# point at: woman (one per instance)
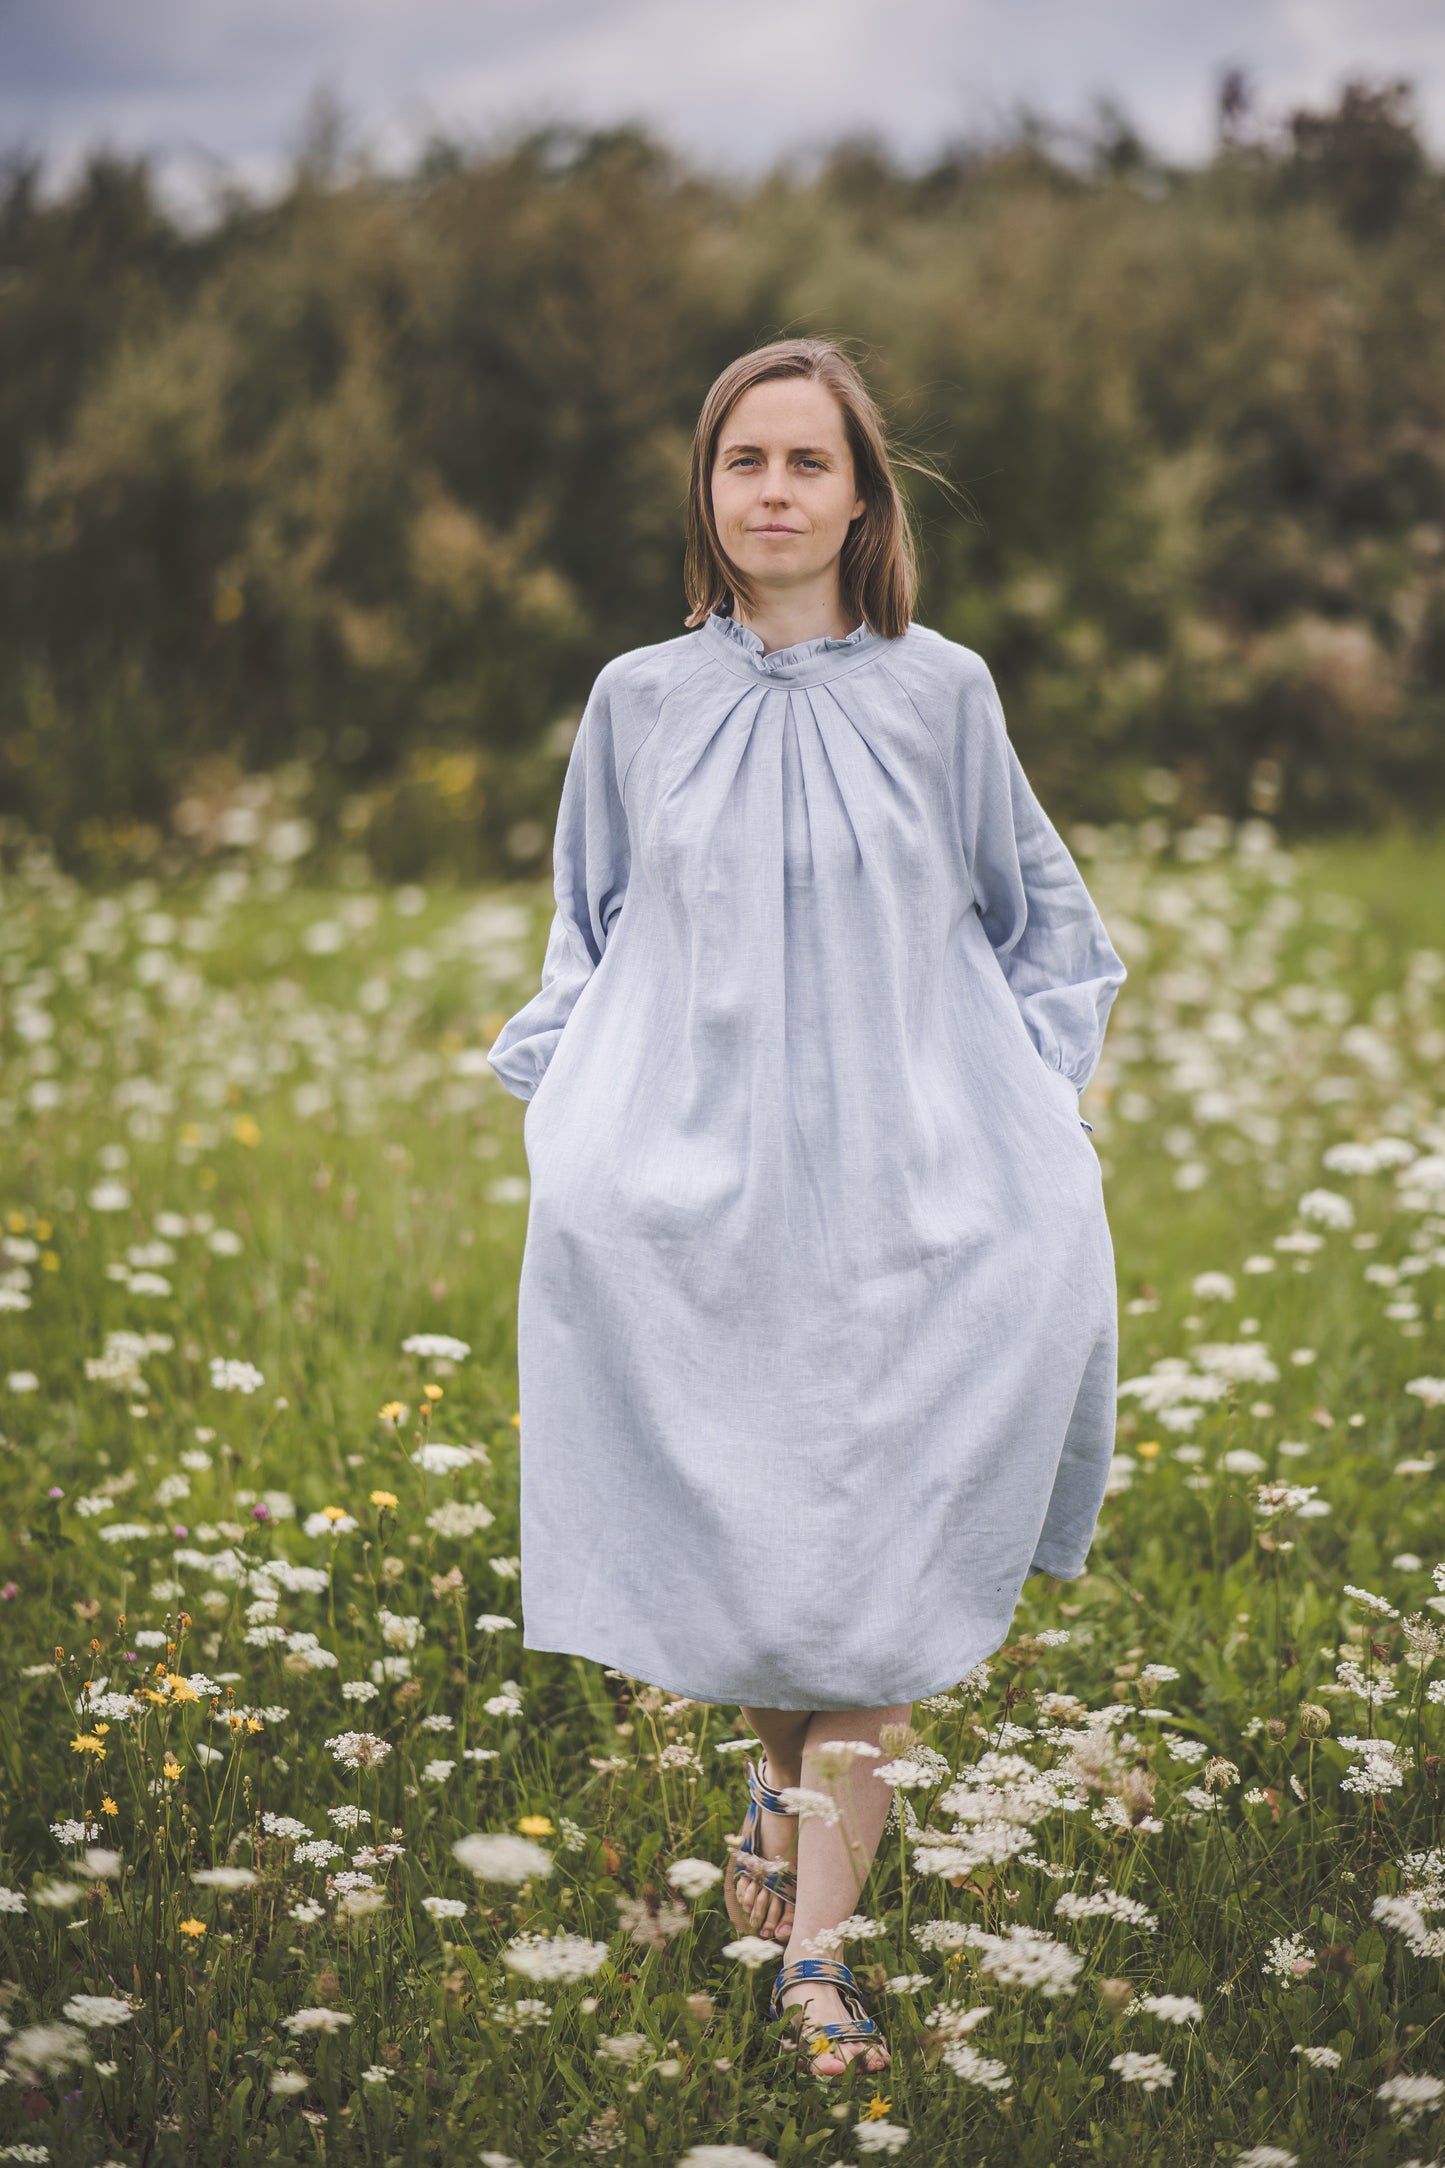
(817, 1326)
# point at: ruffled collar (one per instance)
(806, 659)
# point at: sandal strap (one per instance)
(864, 2029)
(825, 1970)
(830, 1969)
(765, 1795)
(782, 1881)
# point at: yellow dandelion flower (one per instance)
(234, 1721)
(394, 1412)
(43, 1230)
(384, 1499)
(253, 1723)
(1148, 1449)
(876, 2109)
(101, 1730)
(171, 1769)
(516, 1420)
(194, 1928)
(181, 1689)
(87, 1743)
(49, 1261)
(108, 1805)
(535, 1825)
(434, 1392)
(245, 1130)
(333, 1513)
(15, 1223)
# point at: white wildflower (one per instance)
(1407, 2098)
(753, 1950)
(459, 1519)
(498, 1856)
(97, 2010)
(693, 1877)
(1174, 2009)
(558, 1956)
(880, 2136)
(358, 1749)
(1150, 2071)
(1328, 1207)
(235, 1377)
(438, 1458)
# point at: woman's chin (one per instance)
(776, 569)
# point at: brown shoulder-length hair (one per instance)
(878, 570)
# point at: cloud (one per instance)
(230, 81)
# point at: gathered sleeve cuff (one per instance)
(1061, 967)
(590, 863)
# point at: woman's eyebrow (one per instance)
(799, 451)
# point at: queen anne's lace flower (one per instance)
(358, 1749)
(1150, 2071)
(559, 1956)
(498, 1856)
(98, 2010)
(693, 1877)
(235, 1377)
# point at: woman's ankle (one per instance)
(778, 1777)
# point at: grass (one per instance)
(251, 1149)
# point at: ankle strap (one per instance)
(766, 1797)
(816, 1968)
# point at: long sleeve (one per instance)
(591, 859)
(1061, 967)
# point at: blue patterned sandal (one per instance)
(782, 1881)
(826, 2039)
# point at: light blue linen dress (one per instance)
(817, 1320)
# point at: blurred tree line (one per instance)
(367, 482)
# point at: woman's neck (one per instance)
(788, 620)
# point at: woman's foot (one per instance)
(766, 1912)
(826, 2007)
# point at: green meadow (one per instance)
(304, 1858)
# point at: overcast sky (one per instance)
(223, 84)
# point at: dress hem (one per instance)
(736, 1700)
(1060, 1573)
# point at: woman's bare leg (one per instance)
(834, 1858)
(782, 1732)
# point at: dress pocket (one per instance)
(1073, 1095)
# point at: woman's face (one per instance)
(783, 487)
